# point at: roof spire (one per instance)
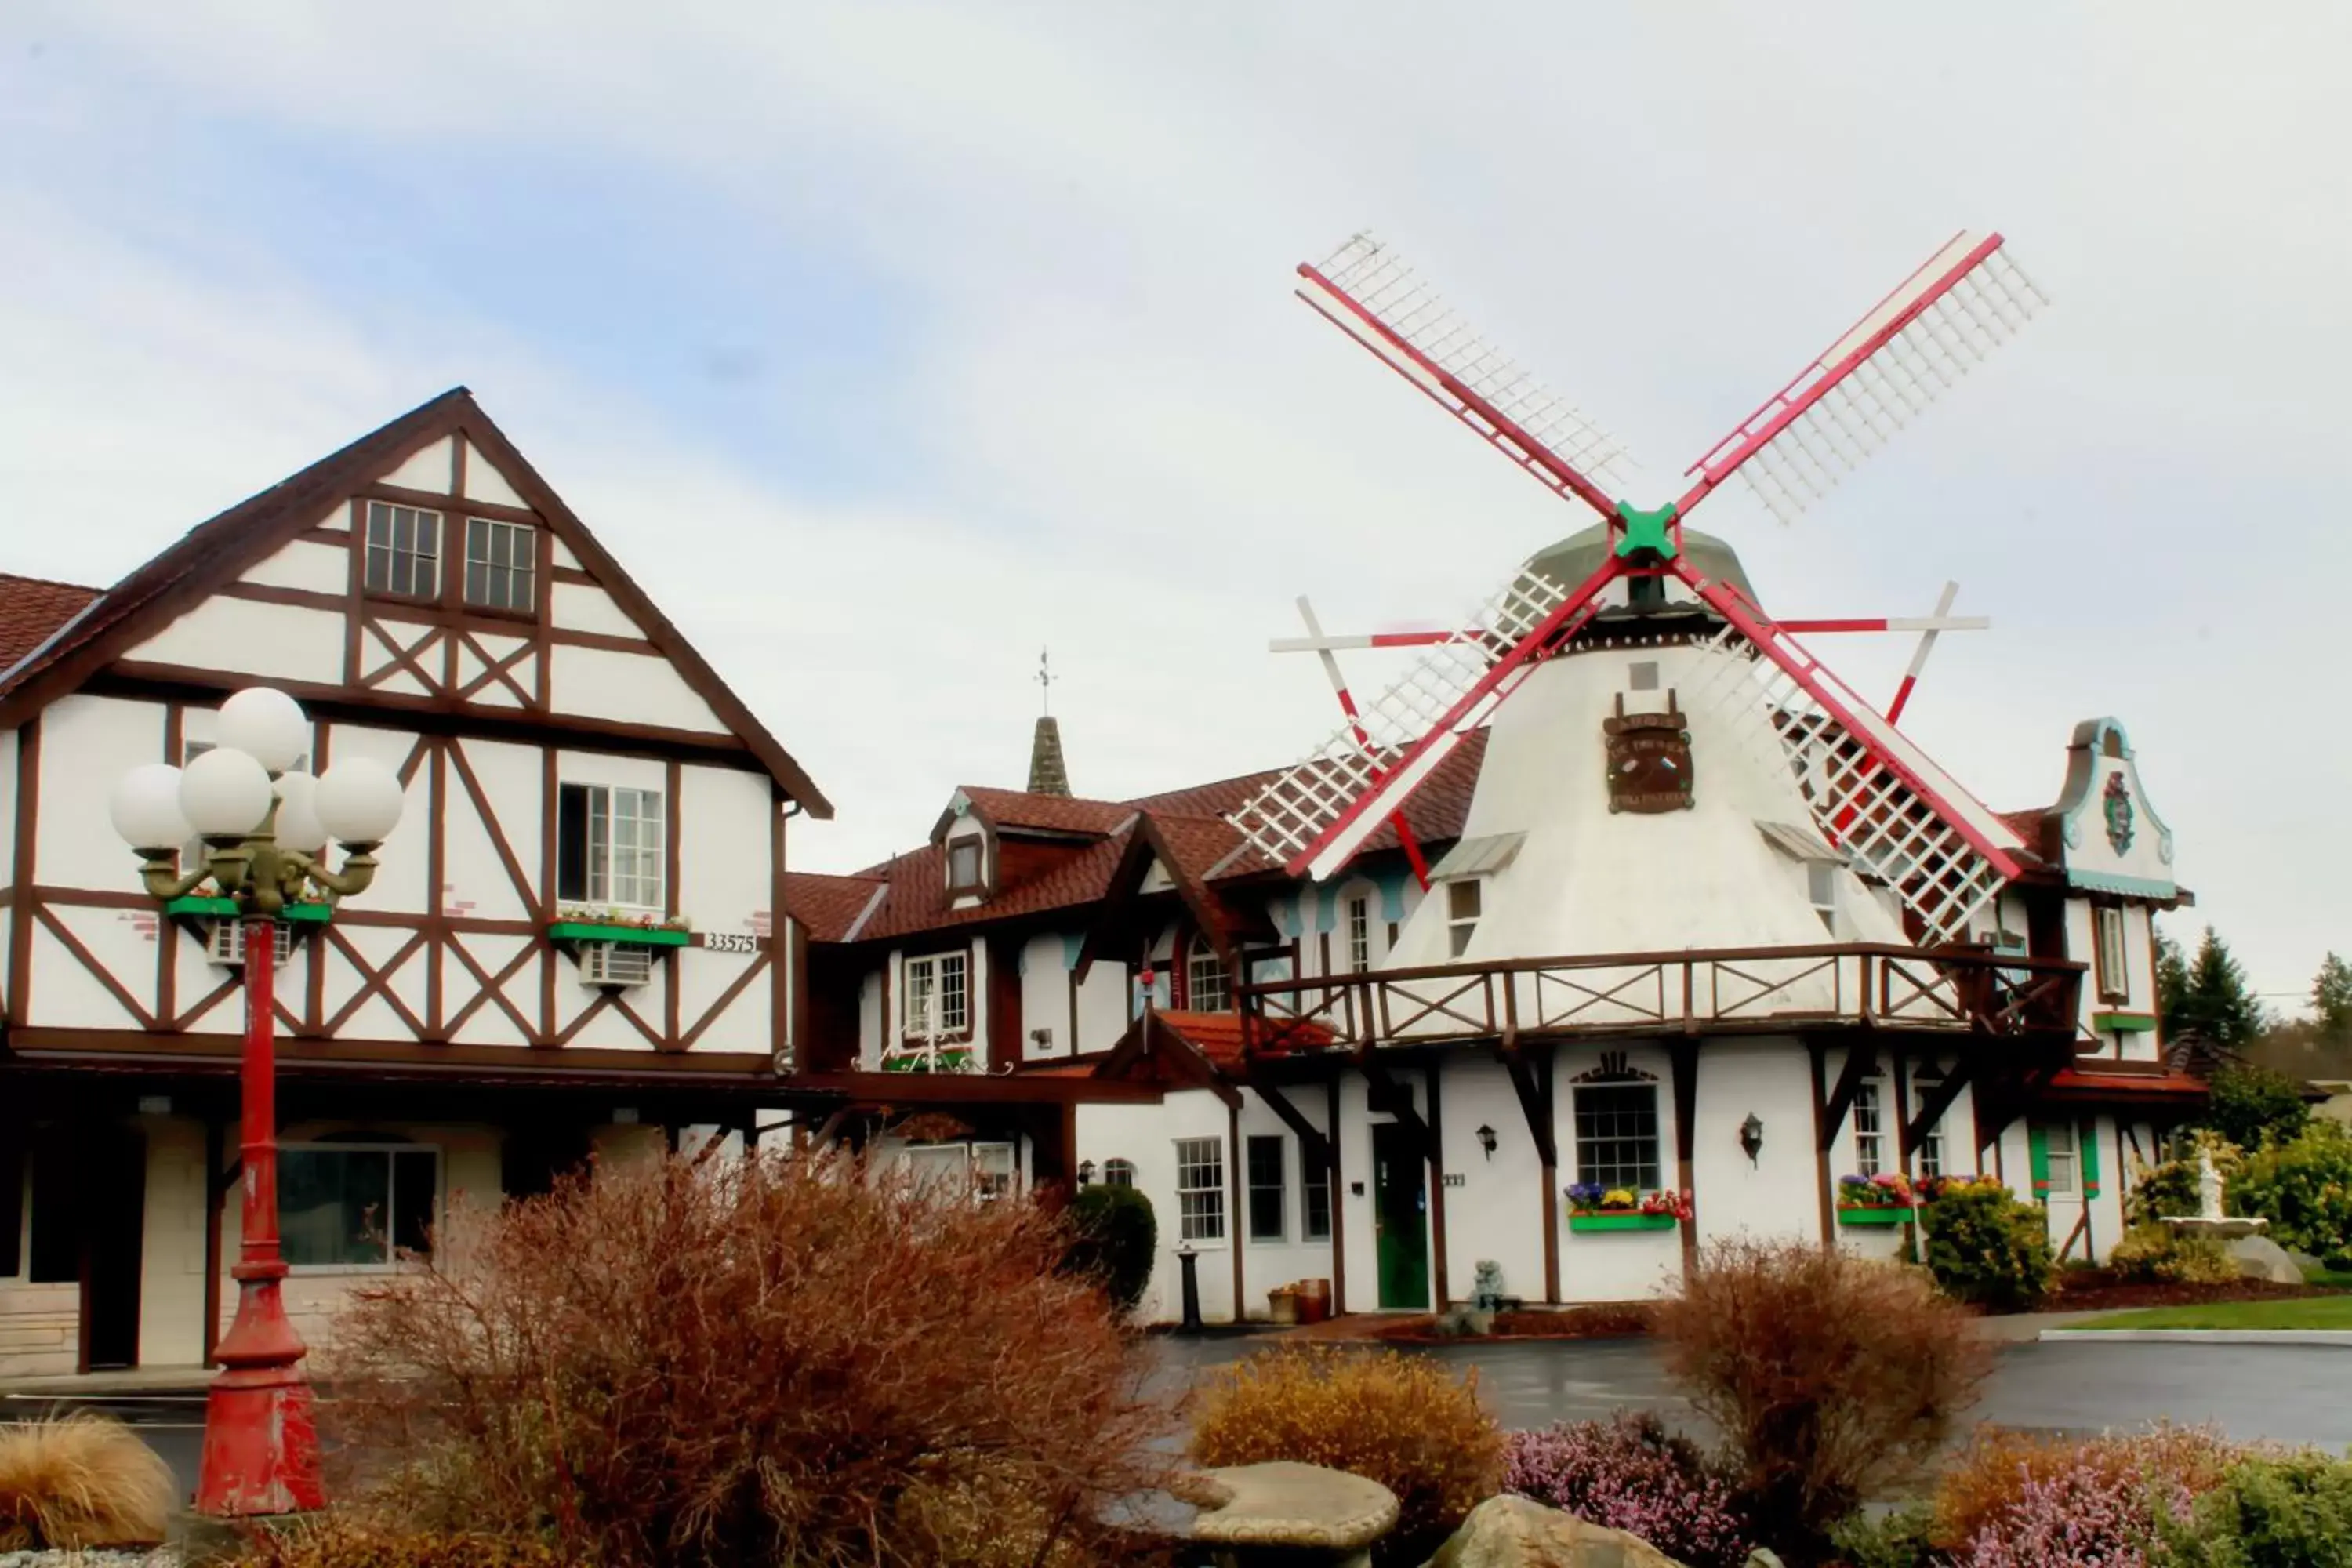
(1047, 774)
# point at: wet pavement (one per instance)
(2287, 1393)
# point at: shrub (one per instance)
(774, 1360)
(2077, 1516)
(1116, 1243)
(1902, 1538)
(2252, 1106)
(1985, 1247)
(1401, 1420)
(81, 1480)
(1629, 1473)
(2303, 1188)
(1831, 1377)
(2275, 1511)
(1983, 1490)
(341, 1540)
(2156, 1252)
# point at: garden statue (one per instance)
(2209, 1186)
(1486, 1289)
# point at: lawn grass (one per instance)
(2333, 1278)
(2296, 1312)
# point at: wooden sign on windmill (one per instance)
(1868, 788)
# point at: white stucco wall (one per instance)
(1774, 1196)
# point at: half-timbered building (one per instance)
(575, 941)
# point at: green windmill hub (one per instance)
(1646, 530)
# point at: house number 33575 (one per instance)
(730, 941)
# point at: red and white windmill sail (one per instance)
(1867, 787)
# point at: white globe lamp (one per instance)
(358, 801)
(224, 793)
(265, 725)
(298, 826)
(145, 808)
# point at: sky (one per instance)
(889, 344)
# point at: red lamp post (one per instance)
(260, 1448)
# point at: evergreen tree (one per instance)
(2216, 1002)
(2172, 984)
(2331, 997)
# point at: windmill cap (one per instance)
(1580, 555)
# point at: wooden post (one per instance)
(1685, 1056)
(1440, 1295)
(1814, 1049)
(1233, 1186)
(1550, 1149)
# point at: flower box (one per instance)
(1622, 1220)
(1877, 1215)
(951, 1059)
(641, 936)
(310, 912)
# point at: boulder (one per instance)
(1290, 1506)
(1512, 1533)
(2260, 1258)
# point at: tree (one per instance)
(2215, 1001)
(2171, 984)
(2331, 997)
(2253, 1106)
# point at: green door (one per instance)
(1401, 1216)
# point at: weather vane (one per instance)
(1046, 679)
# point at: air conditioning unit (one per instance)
(615, 964)
(225, 943)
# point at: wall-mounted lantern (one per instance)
(1486, 1140)
(1751, 1137)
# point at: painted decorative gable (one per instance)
(2110, 839)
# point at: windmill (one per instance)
(1889, 807)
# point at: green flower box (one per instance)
(310, 913)
(1621, 1222)
(1877, 1215)
(640, 936)
(956, 1059)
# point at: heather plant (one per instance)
(2005, 1494)
(1986, 1247)
(1631, 1474)
(2077, 1516)
(786, 1359)
(1401, 1420)
(1831, 1377)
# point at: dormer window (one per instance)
(1208, 986)
(966, 861)
(1464, 902)
(1821, 887)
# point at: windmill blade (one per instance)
(1966, 301)
(1317, 814)
(1371, 295)
(1406, 840)
(1897, 815)
(1937, 623)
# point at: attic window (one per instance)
(1821, 887)
(403, 551)
(500, 560)
(1464, 901)
(964, 860)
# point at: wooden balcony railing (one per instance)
(1755, 989)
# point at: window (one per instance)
(1208, 985)
(356, 1206)
(1359, 935)
(941, 1170)
(1118, 1173)
(1317, 1211)
(1931, 1142)
(1617, 1135)
(1462, 901)
(1201, 1189)
(1821, 887)
(937, 995)
(500, 558)
(992, 1170)
(403, 551)
(963, 865)
(1267, 1187)
(2115, 969)
(2058, 1157)
(609, 845)
(1869, 1131)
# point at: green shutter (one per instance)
(2087, 1141)
(2040, 1146)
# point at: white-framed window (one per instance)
(992, 1171)
(964, 865)
(1201, 1189)
(1617, 1135)
(501, 565)
(609, 845)
(1270, 1186)
(939, 995)
(1821, 887)
(2059, 1158)
(1315, 1212)
(1464, 902)
(403, 551)
(941, 1170)
(1869, 1131)
(1360, 935)
(1208, 983)
(2114, 960)
(1118, 1173)
(357, 1204)
(1931, 1141)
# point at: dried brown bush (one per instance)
(1402, 1420)
(1830, 1377)
(341, 1541)
(785, 1360)
(81, 1480)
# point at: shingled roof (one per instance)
(32, 611)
